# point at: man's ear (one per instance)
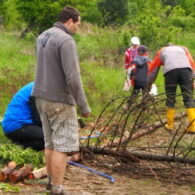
(69, 21)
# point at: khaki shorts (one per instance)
(60, 126)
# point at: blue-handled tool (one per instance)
(91, 136)
(90, 169)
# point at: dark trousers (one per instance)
(135, 93)
(28, 136)
(183, 78)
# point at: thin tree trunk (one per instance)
(135, 156)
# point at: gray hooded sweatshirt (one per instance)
(58, 73)
(139, 72)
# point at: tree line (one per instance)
(151, 20)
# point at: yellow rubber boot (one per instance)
(191, 117)
(170, 119)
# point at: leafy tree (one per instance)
(154, 28)
(113, 11)
(9, 17)
(88, 9)
(38, 15)
(2, 11)
(90, 12)
(171, 2)
(179, 18)
(12, 16)
(2, 6)
(188, 6)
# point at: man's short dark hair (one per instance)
(67, 13)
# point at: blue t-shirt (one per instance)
(18, 112)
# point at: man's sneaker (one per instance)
(61, 193)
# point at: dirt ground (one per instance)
(131, 181)
(131, 178)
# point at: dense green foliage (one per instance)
(113, 11)
(2, 11)
(19, 155)
(156, 22)
(40, 15)
(44, 13)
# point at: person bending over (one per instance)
(178, 69)
(21, 122)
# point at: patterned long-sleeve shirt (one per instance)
(130, 54)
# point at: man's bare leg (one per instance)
(58, 166)
(48, 157)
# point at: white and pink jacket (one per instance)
(130, 54)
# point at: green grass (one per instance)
(101, 84)
(103, 76)
(17, 63)
(9, 188)
(3, 139)
(16, 53)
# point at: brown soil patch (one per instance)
(142, 179)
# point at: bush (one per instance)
(40, 15)
(16, 153)
(2, 11)
(113, 11)
(154, 33)
(179, 18)
(9, 15)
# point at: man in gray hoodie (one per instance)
(58, 88)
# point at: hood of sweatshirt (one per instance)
(141, 60)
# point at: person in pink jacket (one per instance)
(131, 52)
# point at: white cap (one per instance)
(135, 41)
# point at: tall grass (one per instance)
(17, 63)
(101, 64)
(101, 54)
(101, 84)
